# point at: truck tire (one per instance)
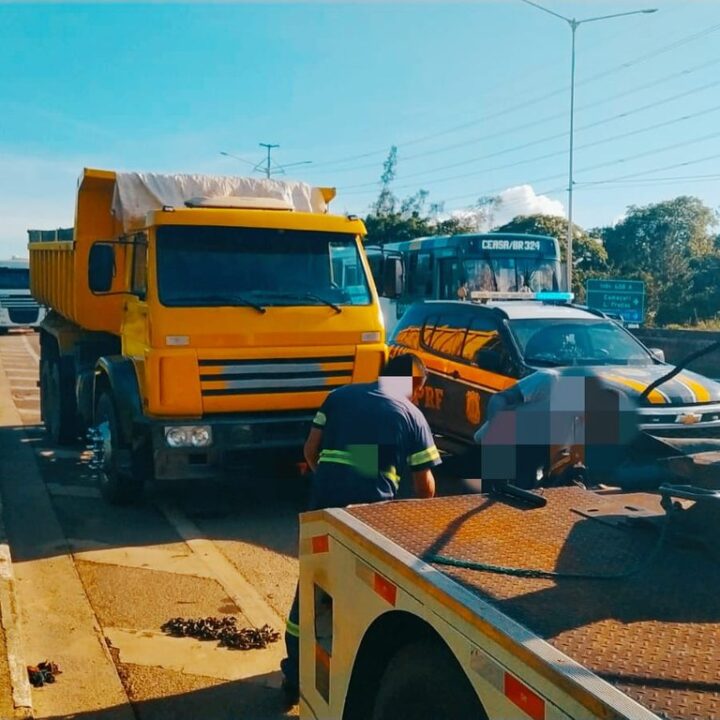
(120, 483)
(56, 403)
(423, 681)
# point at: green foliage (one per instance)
(671, 246)
(394, 220)
(590, 258)
(668, 244)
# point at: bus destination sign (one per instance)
(513, 245)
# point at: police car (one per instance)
(473, 351)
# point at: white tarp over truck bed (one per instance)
(136, 194)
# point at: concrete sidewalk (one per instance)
(15, 696)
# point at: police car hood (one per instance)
(686, 388)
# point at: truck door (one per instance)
(135, 326)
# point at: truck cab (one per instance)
(197, 335)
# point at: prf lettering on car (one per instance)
(528, 245)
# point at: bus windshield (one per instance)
(14, 278)
(507, 274)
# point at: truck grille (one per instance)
(276, 375)
(21, 308)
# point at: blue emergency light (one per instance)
(555, 296)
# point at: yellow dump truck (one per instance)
(197, 321)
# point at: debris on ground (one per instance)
(43, 673)
(225, 630)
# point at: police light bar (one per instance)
(544, 296)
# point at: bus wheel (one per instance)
(119, 484)
(423, 681)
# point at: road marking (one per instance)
(30, 349)
(194, 657)
(242, 593)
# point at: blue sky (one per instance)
(475, 95)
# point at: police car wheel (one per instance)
(424, 681)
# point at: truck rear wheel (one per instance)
(120, 483)
(56, 403)
(423, 681)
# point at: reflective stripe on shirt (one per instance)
(424, 456)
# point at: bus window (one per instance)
(451, 279)
(420, 275)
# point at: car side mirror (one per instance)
(392, 277)
(101, 267)
(658, 354)
(490, 360)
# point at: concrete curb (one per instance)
(9, 615)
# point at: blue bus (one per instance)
(466, 267)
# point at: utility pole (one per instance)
(266, 166)
(269, 146)
(574, 25)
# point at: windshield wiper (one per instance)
(308, 296)
(219, 300)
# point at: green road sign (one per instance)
(618, 297)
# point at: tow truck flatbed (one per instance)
(642, 643)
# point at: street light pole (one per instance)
(574, 25)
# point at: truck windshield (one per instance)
(553, 342)
(14, 278)
(212, 266)
(506, 274)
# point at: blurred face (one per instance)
(406, 387)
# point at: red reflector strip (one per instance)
(522, 696)
(320, 543)
(322, 656)
(385, 589)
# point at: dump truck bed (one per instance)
(653, 634)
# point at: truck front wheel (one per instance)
(423, 681)
(119, 483)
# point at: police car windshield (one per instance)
(556, 342)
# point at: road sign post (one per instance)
(618, 297)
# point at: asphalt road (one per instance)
(95, 583)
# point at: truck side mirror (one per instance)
(101, 267)
(392, 277)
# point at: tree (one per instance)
(589, 256)
(394, 220)
(664, 244)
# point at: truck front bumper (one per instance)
(237, 441)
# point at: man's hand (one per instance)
(312, 447)
(423, 483)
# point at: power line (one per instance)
(556, 136)
(552, 155)
(620, 161)
(617, 68)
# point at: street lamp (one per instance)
(574, 25)
(235, 157)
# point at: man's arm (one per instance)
(312, 447)
(424, 483)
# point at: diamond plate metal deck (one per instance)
(654, 635)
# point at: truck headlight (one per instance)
(188, 436)
(201, 436)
